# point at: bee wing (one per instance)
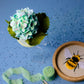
(67, 53)
(81, 65)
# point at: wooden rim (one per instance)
(61, 74)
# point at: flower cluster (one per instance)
(24, 23)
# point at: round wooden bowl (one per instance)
(57, 68)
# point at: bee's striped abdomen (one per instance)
(70, 64)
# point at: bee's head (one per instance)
(76, 58)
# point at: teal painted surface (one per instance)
(66, 24)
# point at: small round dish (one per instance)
(23, 43)
(59, 61)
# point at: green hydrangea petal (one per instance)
(24, 21)
(11, 32)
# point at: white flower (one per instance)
(24, 23)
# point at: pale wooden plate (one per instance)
(59, 59)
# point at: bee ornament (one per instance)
(73, 61)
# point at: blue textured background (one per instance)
(66, 24)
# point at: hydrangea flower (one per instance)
(28, 27)
(24, 23)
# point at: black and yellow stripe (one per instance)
(70, 64)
